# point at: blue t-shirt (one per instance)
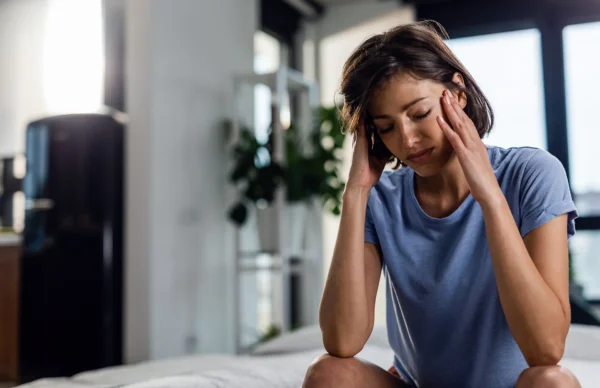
(444, 318)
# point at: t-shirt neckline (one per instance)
(410, 187)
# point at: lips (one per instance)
(421, 155)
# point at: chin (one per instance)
(426, 171)
(433, 168)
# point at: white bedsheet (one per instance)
(277, 371)
(283, 363)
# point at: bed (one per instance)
(282, 363)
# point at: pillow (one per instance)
(309, 338)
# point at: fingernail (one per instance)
(447, 98)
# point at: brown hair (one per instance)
(419, 50)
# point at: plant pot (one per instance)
(295, 227)
(268, 231)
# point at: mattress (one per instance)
(282, 363)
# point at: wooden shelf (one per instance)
(281, 82)
(9, 311)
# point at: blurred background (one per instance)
(171, 170)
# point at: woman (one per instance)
(472, 239)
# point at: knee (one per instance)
(327, 370)
(547, 377)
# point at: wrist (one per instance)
(353, 194)
(356, 191)
(493, 201)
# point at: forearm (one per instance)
(535, 315)
(343, 313)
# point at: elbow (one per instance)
(342, 350)
(548, 355)
(342, 346)
(343, 343)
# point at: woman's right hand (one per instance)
(366, 169)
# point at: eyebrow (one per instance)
(404, 108)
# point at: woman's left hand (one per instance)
(470, 150)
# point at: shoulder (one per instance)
(390, 186)
(536, 183)
(514, 155)
(391, 182)
(523, 161)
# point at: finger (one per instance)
(469, 127)
(458, 119)
(359, 134)
(453, 117)
(452, 136)
(456, 106)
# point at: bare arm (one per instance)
(347, 308)
(533, 284)
(531, 272)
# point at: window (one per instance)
(268, 55)
(73, 62)
(585, 248)
(582, 77)
(267, 58)
(581, 57)
(507, 67)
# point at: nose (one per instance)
(409, 133)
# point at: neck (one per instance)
(448, 186)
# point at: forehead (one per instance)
(400, 90)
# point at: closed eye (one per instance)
(382, 131)
(421, 117)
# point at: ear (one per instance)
(458, 79)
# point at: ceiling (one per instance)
(326, 3)
(336, 2)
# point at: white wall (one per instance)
(181, 57)
(21, 67)
(341, 31)
(138, 20)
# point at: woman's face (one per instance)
(404, 113)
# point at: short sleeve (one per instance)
(545, 193)
(370, 232)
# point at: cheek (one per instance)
(431, 129)
(392, 141)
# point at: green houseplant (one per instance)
(311, 169)
(256, 179)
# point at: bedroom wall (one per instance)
(180, 59)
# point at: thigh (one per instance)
(329, 371)
(371, 375)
